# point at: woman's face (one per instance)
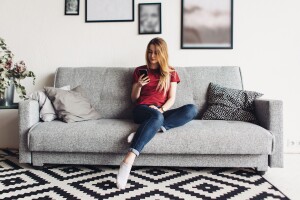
(152, 55)
(149, 18)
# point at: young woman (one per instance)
(154, 94)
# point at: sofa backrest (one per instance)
(109, 88)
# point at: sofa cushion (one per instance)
(71, 106)
(110, 136)
(230, 104)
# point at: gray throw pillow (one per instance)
(230, 104)
(72, 105)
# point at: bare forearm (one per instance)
(172, 96)
(169, 103)
(136, 91)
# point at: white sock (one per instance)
(123, 175)
(162, 129)
(130, 137)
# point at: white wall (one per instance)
(266, 46)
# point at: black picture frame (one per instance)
(74, 10)
(109, 11)
(145, 10)
(197, 34)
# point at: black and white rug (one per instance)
(22, 181)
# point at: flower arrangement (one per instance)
(10, 72)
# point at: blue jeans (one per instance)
(152, 121)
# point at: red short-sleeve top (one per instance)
(149, 95)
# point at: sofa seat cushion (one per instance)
(110, 136)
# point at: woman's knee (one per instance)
(143, 113)
(154, 116)
(191, 110)
(157, 116)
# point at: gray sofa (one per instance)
(200, 143)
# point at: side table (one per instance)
(13, 106)
(9, 126)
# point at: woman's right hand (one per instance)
(143, 80)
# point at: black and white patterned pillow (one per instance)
(230, 104)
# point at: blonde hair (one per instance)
(163, 61)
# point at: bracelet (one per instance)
(162, 108)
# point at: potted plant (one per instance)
(11, 76)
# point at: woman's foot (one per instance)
(162, 129)
(124, 170)
(123, 175)
(130, 137)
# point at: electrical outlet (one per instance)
(293, 143)
(292, 146)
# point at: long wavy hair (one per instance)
(163, 61)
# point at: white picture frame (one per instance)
(109, 10)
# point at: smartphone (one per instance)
(143, 71)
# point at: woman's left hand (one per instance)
(156, 108)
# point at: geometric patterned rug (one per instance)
(22, 181)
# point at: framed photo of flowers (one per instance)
(109, 10)
(72, 7)
(206, 24)
(149, 18)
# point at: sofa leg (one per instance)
(37, 165)
(261, 171)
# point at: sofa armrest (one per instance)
(28, 117)
(270, 117)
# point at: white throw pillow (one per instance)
(47, 112)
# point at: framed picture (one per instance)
(72, 7)
(149, 18)
(109, 10)
(206, 24)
